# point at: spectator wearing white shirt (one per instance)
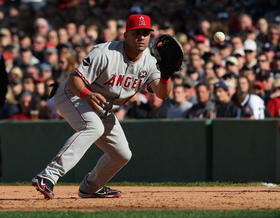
(251, 105)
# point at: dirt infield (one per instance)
(144, 197)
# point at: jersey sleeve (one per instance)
(92, 66)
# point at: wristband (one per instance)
(84, 93)
(165, 81)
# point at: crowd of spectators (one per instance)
(41, 42)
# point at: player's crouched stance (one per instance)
(107, 77)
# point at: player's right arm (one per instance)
(77, 86)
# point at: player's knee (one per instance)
(126, 156)
(97, 129)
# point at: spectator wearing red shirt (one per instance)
(274, 103)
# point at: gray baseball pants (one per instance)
(106, 133)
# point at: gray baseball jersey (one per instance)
(105, 70)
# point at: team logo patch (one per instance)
(142, 21)
(142, 74)
(86, 61)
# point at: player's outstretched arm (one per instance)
(161, 89)
(78, 87)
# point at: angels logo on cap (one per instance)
(138, 21)
(142, 21)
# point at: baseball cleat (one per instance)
(104, 192)
(44, 186)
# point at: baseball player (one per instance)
(107, 77)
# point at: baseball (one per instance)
(219, 37)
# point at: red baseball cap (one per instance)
(138, 21)
(259, 84)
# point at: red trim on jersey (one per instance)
(82, 76)
(82, 130)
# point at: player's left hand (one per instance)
(96, 101)
(169, 54)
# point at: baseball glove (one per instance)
(169, 54)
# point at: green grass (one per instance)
(147, 214)
(153, 184)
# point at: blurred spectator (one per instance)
(80, 56)
(113, 27)
(274, 103)
(179, 106)
(210, 83)
(276, 64)
(269, 50)
(220, 70)
(45, 71)
(25, 106)
(262, 26)
(52, 59)
(53, 38)
(67, 64)
(92, 33)
(15, 73)
(263, 67)
(41, 89)
(71, 29)
(216, 56)
(34, 71)
(106, 35)
(273, 34)
(63, 35)
(258, 89)
(250, 74)
(25, 41)
(224, 106)
(232, 66)
(205, 107)
(202, 43)
(41, 26)
(237, 43)
(231, 84)
(245, 23)
(209, 70)
(250, 48)
(5, 37)
(252, 106)
(177, 78)
(240, 55)
(26, 58)
(3, 83)
(225, 49)
(204, 28)
(153, 109)
(193, 75)
(190, 93)
(29, 83)
(38, 46)
(121, 31)
(196, 62)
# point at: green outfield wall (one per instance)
(163, 150)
